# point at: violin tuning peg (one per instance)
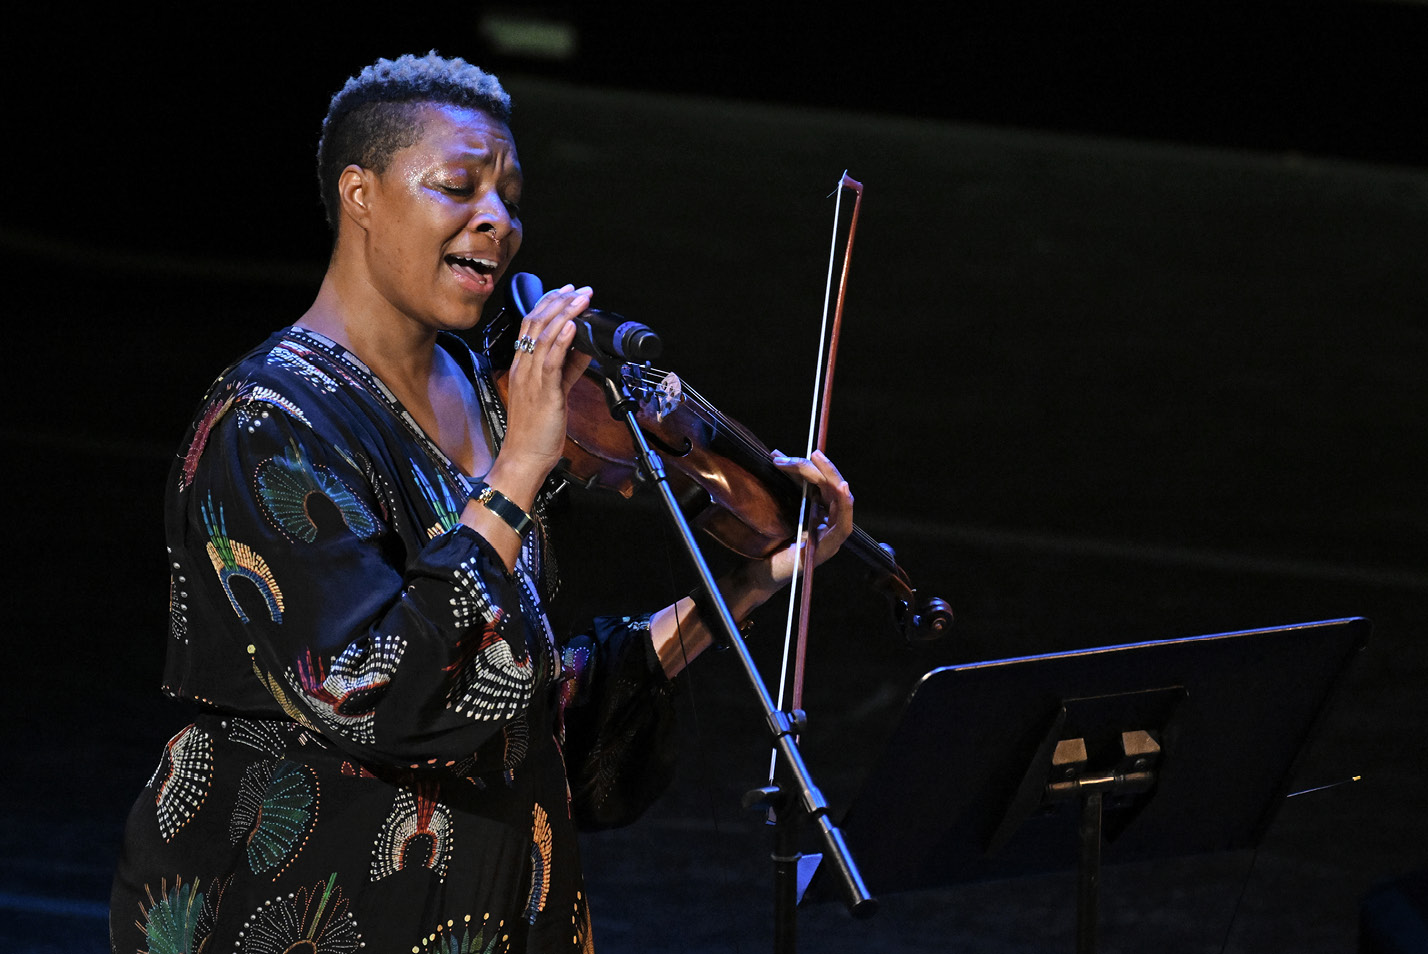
(933, 621)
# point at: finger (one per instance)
(549, 327)
(841, 505)
(820, 474)
(837, 525)
(543, 308)
(550, 300)
(553, 346)
(568, 300)
(834, 492)
(555, 304)
(837, 503)
(535, 321)
(575, 365)
(829, 469)
(563, 308)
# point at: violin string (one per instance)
(757, 450)
(712, 416)
(706, 412)
(731, 428)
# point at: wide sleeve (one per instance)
(402, 643)
(620, 739)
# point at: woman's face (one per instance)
(443, 219)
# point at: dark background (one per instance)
(1133, 351)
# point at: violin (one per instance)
(723, 475)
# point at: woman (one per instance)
(355, 529)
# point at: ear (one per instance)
(355, 192)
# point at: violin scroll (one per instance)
(931, 622)
(918, 622)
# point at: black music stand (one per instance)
(1123, 753)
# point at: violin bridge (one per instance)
(667, 396)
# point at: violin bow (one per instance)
(818, 440)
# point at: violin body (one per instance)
(722, 474)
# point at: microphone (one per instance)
(600, 334)
(604, 334)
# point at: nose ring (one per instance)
(490, 228)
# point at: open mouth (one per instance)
(477, 272)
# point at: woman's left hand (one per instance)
(680, 634)
(835, 523)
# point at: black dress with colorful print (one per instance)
(391, 751)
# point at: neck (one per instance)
(348, 310)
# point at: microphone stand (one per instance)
(798, 798)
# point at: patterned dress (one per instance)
(385, 720)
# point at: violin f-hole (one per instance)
(662, 445)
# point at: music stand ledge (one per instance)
(1149, 750)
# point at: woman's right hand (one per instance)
(539, 384)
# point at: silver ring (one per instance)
(525, 343)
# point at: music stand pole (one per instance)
(1088, 882)
(802, 794)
